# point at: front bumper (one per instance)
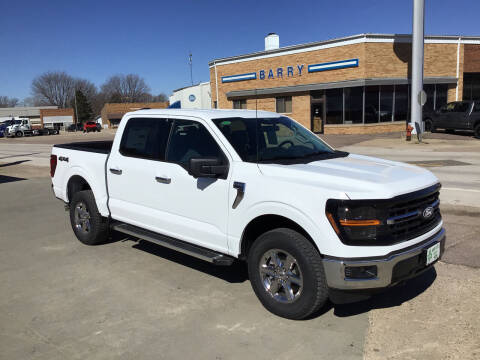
(391, 269)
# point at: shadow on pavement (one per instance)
(14, 163)
(6, 179)
(236, 273)
(394, 296)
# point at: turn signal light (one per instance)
(359, 222)
(333, 223)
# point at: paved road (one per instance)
(60, 299)
(455, 162)
(64, 300)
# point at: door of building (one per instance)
(317, 116)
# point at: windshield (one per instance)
(273, 140)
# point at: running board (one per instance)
(178, 245)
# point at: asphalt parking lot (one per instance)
(60, 299)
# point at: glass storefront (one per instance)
(375, 104)
(334, 106)
(353, 105)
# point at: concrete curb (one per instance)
(460, 210)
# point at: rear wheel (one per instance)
(87, 223)
(286, 274)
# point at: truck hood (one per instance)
(355, 176)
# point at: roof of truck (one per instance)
(205, 114)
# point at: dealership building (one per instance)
(356, 84)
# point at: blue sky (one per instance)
(96, 39)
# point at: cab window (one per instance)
(145, 138)
(190, 139)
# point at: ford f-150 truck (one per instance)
(310, 221)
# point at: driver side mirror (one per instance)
(207, 168)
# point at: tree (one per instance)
(160, 98)
(82, 107)
(6, 101)
(126, 88)
(54, 88)
(58, 88)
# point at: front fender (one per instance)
(319, 229)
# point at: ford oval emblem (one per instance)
(192, 98)
(428, 212)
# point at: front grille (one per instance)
(405, 219)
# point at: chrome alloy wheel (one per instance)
(82, 218)
(281, 276)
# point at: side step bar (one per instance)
(178, 245)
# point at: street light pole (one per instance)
(76, 111)
(417, 96)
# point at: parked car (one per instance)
(311, 222)
(90, 126)
(99, 127)
(3, 127)
(75, 127)
(457, 115)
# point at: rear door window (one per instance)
(145, 138)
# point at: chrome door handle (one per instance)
(163, 180)
(116, 171)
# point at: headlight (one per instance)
(356, 223)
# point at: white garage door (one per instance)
(58, 119)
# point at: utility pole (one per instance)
(191, 72)
(418, 96)
(76, 110)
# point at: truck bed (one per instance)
(102, 147)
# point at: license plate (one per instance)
(433, 253)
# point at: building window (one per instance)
(471, 86)
(442, 95)
(240, 104)
(284, 104)
(386, 103)
(402, 103)
(430, 91)
(334, 99)
(215, 104)
(353, 105)
(372, 104)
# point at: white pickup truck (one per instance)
(220, 185)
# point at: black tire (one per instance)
(98, 225)
(450, 131)
(476, 131)
(18, 134)
(429, 125)
(314, 291)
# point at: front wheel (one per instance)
(286, 274)
(477, 131)
(18, 134)
(87, 223)
(429, 126)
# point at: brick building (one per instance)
(56, 118)
(112, 113)
(357, 84)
